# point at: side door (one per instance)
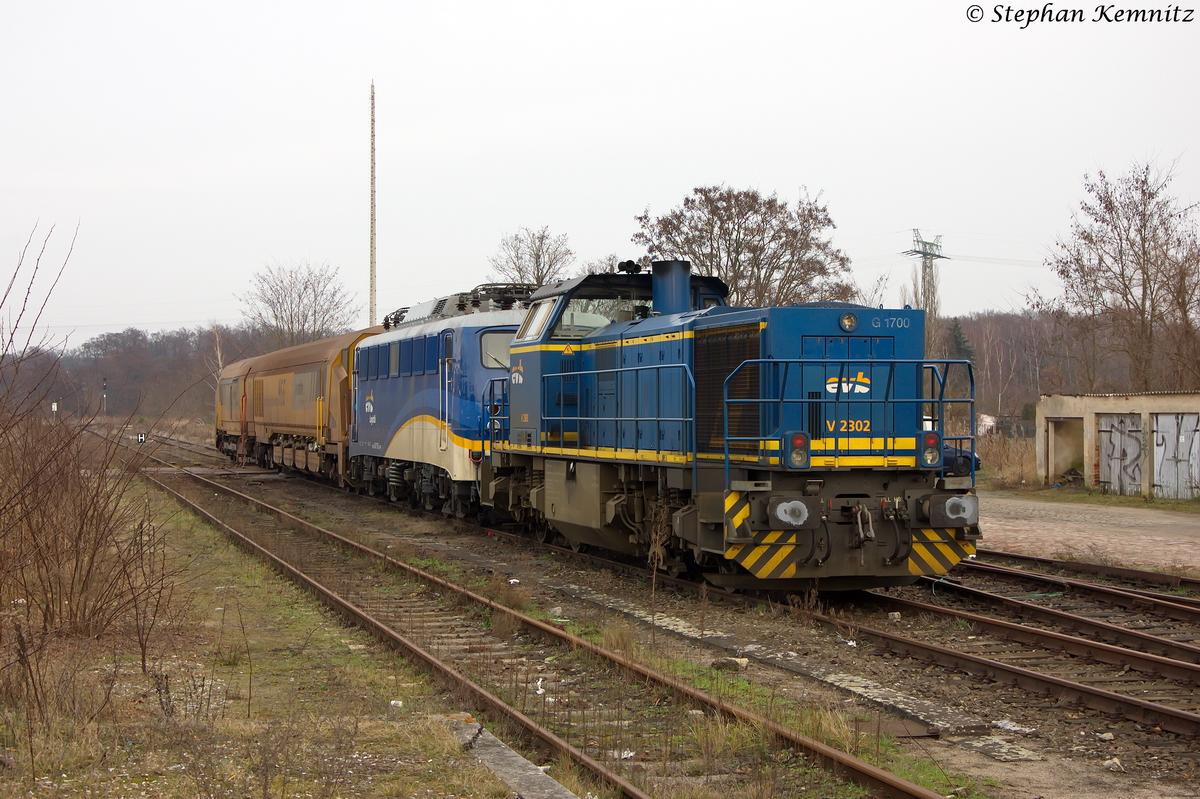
(1120, 453)
(1176, 463)
(445, 388)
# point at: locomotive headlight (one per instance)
(932, 449)
(797, 450)
(848, 322)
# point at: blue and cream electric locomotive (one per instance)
(417, 430)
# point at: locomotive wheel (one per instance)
(580, 547)
(542, 533)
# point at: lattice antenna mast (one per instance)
(372, 204)
(930, 252)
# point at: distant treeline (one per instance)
(170, 373)
(1016, 356)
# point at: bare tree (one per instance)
(873, 295)
(299, 303)
(533, 256)
(74, 560)
(1131, 276)
(999, 357)
(923, 294)
(601, 266)
(1182, 299)
(766, 251)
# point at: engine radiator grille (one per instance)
(718, 352)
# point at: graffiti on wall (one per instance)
(1176, 455)
(1121, 453)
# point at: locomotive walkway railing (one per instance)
(843, 395)
(667, 427)
(929, 393)
(493, 422)
(671, 384)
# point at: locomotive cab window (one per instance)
(589, 310)
(493, 348)
(535, 322)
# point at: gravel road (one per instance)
(1137, 537)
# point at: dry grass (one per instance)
(254, 693)
(1007, 462)
(510, 594)
(1092, 496)
(504, 625)
(1092, 553)
(1103, 556)
(619, 636)
(717, 736)
(578, 782)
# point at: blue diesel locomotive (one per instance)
(785, 447)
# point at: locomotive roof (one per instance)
(621, 280)
(510, 318)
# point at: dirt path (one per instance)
(1138, 537)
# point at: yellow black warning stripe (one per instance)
(771, 556)
(737, 510)
(936, 551)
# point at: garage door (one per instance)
(1120, 453)
(1176, 455)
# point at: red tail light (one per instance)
(931, 453)
(797, 450)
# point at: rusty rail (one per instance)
(880, 782)
(1182, 722)
(1117, 572)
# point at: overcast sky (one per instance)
(192, 143)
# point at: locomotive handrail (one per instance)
(843, 397)
(496, 396)
(931, 367)
(487, 417)
(687, 421)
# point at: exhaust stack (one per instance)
(672, 287)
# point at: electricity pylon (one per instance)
(930, 252)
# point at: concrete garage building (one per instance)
(1134, 444)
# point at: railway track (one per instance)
(1078, 593)
(1107, 658)
(601, 709)
(1155, 693)
(1127, 654)
(179, 453)
(1130, 577)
